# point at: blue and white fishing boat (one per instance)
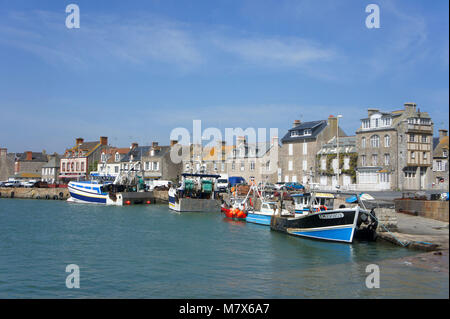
(109, 190)
(87, 192)
(338, 225)
(264, 215)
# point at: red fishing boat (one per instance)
(233, 213)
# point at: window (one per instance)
(290, 165)
(375, 141)
(363, 142)
(363, 160)
(385, 177)
(117, 157)
(387, 159)
(323, 164)
(444, 153)
(374, 159)
(412, 137)
(233, 166)
(103, 157)
(71, 166)
(291, 149)
(424, 139)
(116, 169)
(365, 123)
(252, 166)
(63, 167)
(346, 163)
(413, 155)
(78, 166)
(387, 141)
(294, 134)
(386, 121)
(424, 155)
(410, 172)
(439, 166)
(156, 166)
(242, 166)
(305, 165)
(335, 165)
(305, 148)
(82, 166)
(307, 132)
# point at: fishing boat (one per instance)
(195, 194)
(122, 189)
(316, 221)
(264, 215)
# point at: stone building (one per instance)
(28, 165)
(257, 161)
(111, 160)
(440, 173)
(79, 160)
(158, 163)
(300, 145)
(50, 170)
(394, 150)
(327, 163)
(6, 164)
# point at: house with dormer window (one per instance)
(395, 150)
(300, 145)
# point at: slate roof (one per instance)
(36, 157)
(315, 126)
(137, 153)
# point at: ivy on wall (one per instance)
(351, 171)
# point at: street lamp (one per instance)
(337, 148)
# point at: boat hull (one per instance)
(194, 204)
(259, 219)
(80, 195)
(228, 214)
(336, 225)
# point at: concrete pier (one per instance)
(34, 193)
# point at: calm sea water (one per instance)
(152, 252)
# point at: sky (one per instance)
(135, 70)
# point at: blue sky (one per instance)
(137, 69)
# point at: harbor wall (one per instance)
(34, 193)
(161, 196)
(434, 209)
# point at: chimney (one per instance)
(372, 111)
(103, 140)
(79, 141)
(29, 156)
(275, 141)
(173, 142)
(134, 145)
(410, 107)
(154, 144)
(296, 123)
(332, 122)
(442, 134)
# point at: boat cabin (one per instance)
(312, 202)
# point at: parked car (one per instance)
(12, 184)
(293, 186)
(2, 184)
(279, 185)
(27, 183)
(41, 184)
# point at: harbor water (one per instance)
(151, 252)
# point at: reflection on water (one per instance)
(152, 252)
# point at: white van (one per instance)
(222, 183)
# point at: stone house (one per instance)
(440, 173)
(394, 150)
(50, 171)
(28, 165)
(6, 164)
(300, 145)
(257, 161)
(327, 163)
(159, 165)
(79, 160)
(111, 160)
